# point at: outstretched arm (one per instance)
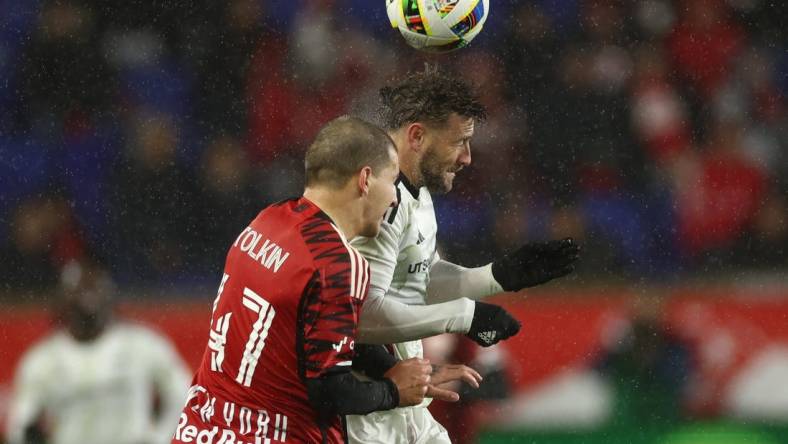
(450, 281)
(530, 265)
(385, 321)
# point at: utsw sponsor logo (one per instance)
(419, 267)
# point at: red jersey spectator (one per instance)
(704, 44)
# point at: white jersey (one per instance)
(403, 260)
(101, 391)
(401, 255)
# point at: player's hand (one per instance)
(411, 376)
(536, 263)
(491, 324)
(445, 379)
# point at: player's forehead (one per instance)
(460, 126)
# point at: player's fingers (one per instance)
(456, 372)
(442, 394)
(469, 375)
(470, 378)
(569, 251)
(511, 331)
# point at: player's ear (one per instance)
(415, 133)
(363, 180)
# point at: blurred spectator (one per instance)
(718, 192)
(65, 83)
(153, 203)
(96, 380)
(650, 369)
(221, 55)
(295, 87)
(765, 245)
(43, 237)
(659, 115)
(227, 197)
(704, 44)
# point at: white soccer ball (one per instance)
(438, 25)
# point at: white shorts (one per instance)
(407, 425)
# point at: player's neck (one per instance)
(339, 207)
(408, 159)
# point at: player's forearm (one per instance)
(450, 281)
(372, 361)
(343, 394)
(385, 321)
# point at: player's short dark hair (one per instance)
(429, 96)
(344, 146)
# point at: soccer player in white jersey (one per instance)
(413, 293)
(95, 381)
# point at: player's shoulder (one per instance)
(324, 241)
(280, 212)
(132, 329)
(46, 354)
(47, 345)
(135, 334)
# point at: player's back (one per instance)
(261, 345)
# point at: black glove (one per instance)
(535, 264)
(491, 324)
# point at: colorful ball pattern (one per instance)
(438, 25)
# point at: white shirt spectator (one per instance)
(101, 391)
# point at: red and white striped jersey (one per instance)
(286, 310)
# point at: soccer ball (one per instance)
(438, 25)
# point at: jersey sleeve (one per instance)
(449, 281)
(330, 316)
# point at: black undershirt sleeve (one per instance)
(372, 360)
(344, 394)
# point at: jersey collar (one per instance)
(304, 204)
(408, 186)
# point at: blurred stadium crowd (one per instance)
(146, 134)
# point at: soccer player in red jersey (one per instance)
(281, 345)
